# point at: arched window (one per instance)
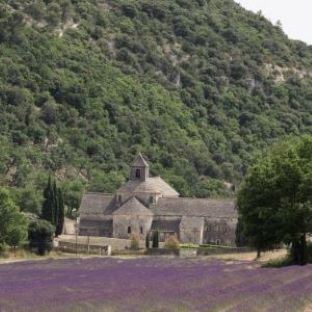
(138, 173)
(141, 229)
(129, 229)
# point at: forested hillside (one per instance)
(197, 86)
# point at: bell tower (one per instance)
(139, 169)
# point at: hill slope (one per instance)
(197, 86)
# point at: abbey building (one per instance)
(145, 204)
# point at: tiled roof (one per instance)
(166, 225)
(153, 185)
(140, 161)
(133, 207)
(97, 204)
(192, 222)
(218, 208)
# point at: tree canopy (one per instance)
(275, 199)
(197, 86)
(13, 224)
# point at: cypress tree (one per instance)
(147, 241)
(156, 239)
(60, 213)
(47, 212)
(55, 204)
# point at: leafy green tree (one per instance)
(13, 224)
(275, 199)
(40, 236)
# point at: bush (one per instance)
(13, 224)
(3, 250)
(288, 259)
(40, 235)
(172, 243)
(135, 242)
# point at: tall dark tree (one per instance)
(275, 198)
(53, 206)
(48, 207)
(155, 239)
(147, 241)
(60, 213)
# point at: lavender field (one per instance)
(152, 284)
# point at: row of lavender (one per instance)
(152, 284)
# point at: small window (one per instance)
(120, 198)
(129, 229)
(141, 229)
(138, 173)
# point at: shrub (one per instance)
(13, 224)
(129, 10)
(135, 242)
(3, 250)
(40, 235)
(172, 243)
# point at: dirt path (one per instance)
(251, 256)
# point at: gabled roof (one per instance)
(93, 204)
(213, 208)
(166, 225)
(192, 222)
(139, 161)
(133, 207)
(152, 185)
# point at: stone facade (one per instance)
(145, 204)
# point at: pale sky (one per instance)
(295, 15)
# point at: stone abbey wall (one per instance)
(145, 204)
(125, 226)
(187, 230)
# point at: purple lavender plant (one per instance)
(152, 284)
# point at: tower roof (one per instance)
(133, 207)
(152, 185)
(139, 161)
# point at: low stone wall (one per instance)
(84, 248)
(115, 243)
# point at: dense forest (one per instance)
(199, 87)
